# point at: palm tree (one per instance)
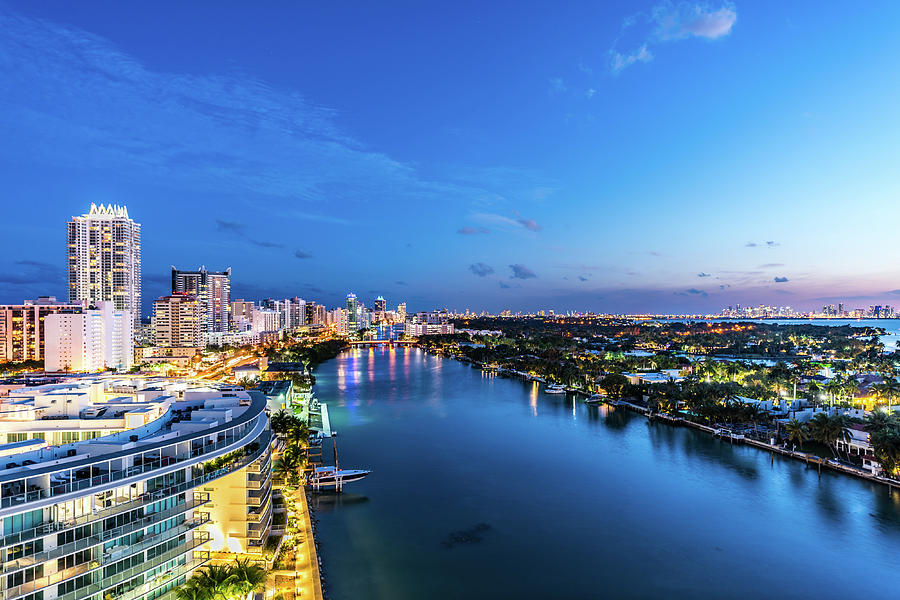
(833, 388)
(887, 390)
(849, 389)
(733, 369)
(191, 590)
(797, 432)
(247, 578)
(216, 580)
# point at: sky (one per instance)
(614, 157)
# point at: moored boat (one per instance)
(555, 388)
(329, 477)
(595, 399)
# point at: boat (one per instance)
(555, 388)
(595, 399)
(330, 477)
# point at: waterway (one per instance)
(485, 487)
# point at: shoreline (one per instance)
(891, 484)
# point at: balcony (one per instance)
(110, 556)
(200, 498)
(67, 485)
(76, 484)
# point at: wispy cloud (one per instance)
(781, 279)
(619, 61)
(473, 231)
(302, 254)
(702, 274)
(521, 272)
(81, 102)
(670, 21)
(515, 221)
(693, 19)
(238, 229)
(557, 85)
(771, 265)
(481, 269)
(503, 285)
(582, 278)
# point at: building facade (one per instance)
(176, 321)
(104, 255)
(91, 340)
(22, 327)
(129, 515)
(213, 291)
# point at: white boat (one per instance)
(329, 477)
(595, 399)
(555, 388)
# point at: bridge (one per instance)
(357, 343)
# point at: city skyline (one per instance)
(569, 173)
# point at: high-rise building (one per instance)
(380, 304)
(213, 291)
(352, 307)
(108, 491)
(401, 312)
(176, 321)
(104, 250)
(93, 340)
(242, 314)
(22, 327)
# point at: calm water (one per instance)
(485, 487)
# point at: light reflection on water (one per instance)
(579, 501)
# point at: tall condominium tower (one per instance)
(351, 313)
(213, 292)
(104, 250)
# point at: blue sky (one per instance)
(621, 157)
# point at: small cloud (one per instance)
(723, 286)
(585, 68)
(265, 244)
(684, 20)
(521, 272)
(233, 226)
(302, 254)
(399, 283)
(619, 61)
(505, 286)
(582, 278)
(772, 244)
(557, 85)
(781, 279)
(702, 274)
(751, 245)
(692, 292)
(529, 224)
(771, 265)
(481, 269)
(590, 93)
(473, 231)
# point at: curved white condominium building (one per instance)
(118, 488)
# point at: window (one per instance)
(77, 558)
(28, 520)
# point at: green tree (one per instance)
(797, 432)
(614, 385)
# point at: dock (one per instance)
(319, 421)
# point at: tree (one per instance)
(614, 385)
(247, 578)
(797, 432)
(888, 390)
(191, 590)
(217, 580)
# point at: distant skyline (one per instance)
(619, 157)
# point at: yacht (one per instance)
(595, 399)
(330, 477)
(555, 388)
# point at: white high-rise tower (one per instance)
(104, 250)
